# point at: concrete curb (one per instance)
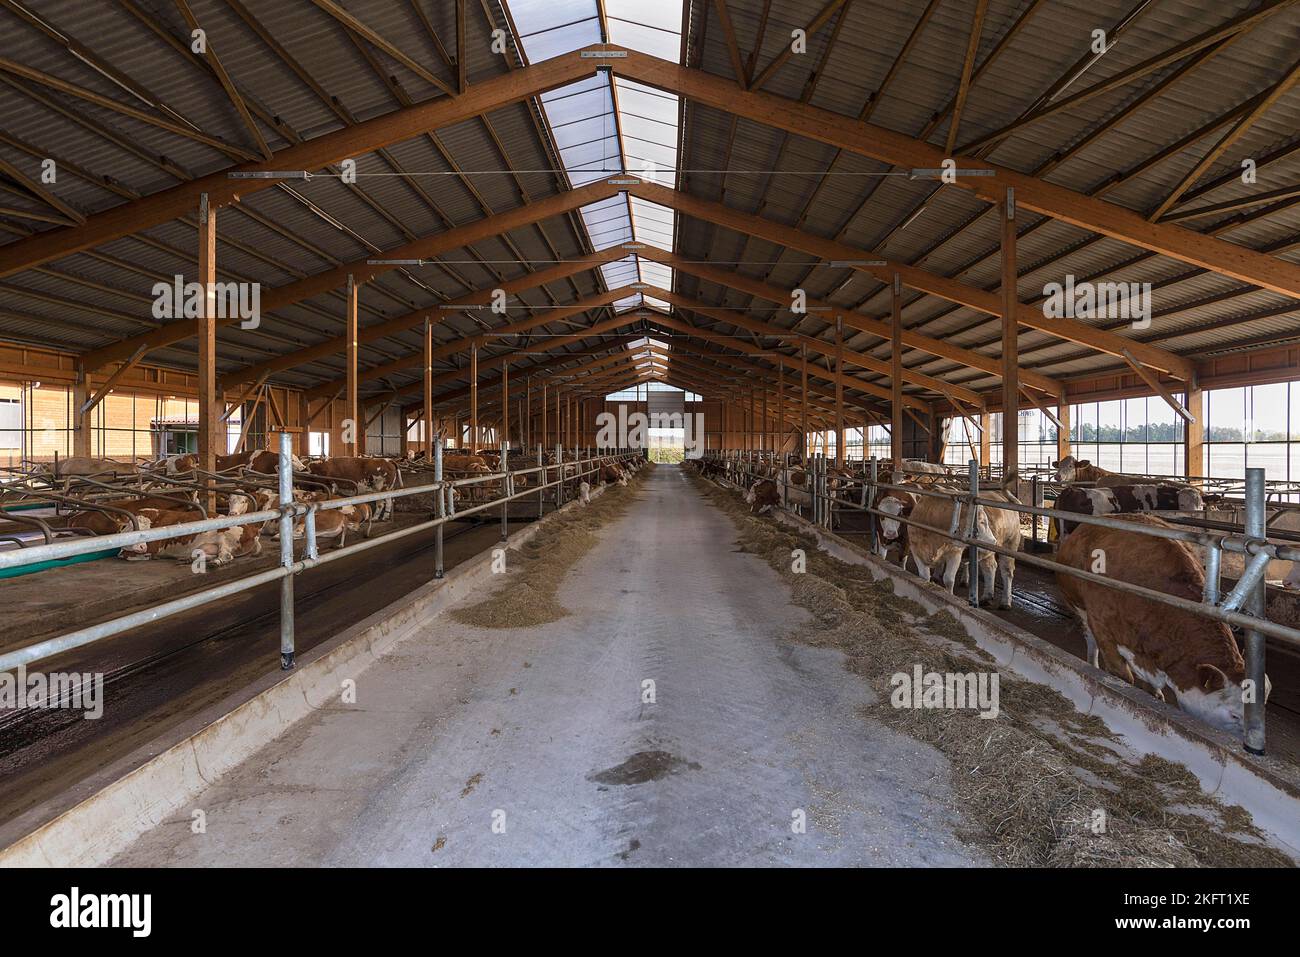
(112, 808)
(1267, 788)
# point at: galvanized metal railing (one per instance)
(287, 513)
(1244, 607)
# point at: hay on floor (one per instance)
(1042, 785)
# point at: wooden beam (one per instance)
(1194, 457)
(1158, 388)
(1063, 430)
(839, 392)
(896, 378)
(351, 410)
(1041, 407)
(877, 327)
(227, 84)
(897, 149)
(377, 41)
(968, 64)
(919, 279)
(314, 154)
(787, 50)
(428, 389)
(323, 283)
(828, 350)
(733, 50)
(110, 382)
(211, 430)
(421, 317)
(443, 350)
(473, 397)
(1010, 341)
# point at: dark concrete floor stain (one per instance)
(632, 845)
(642, 767)
(472, 783)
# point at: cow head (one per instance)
(889, 528)
(1067, 468)
(1217, 697)
(1189, 500)
(584, 493)
(138, 552)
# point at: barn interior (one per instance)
(447, 273)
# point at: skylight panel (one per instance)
(604, 126)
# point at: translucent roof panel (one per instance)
(605, 126)
(548, 28)
(642, 343)
(649, 120)
(651, 26)
(582, 120)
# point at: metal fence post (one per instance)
(559, 483)
(871, 500)
(541, 481)
(1213, 564)
(506, 490)
(441, 495)
(1256, 527)
(972, 523)
(285, 470)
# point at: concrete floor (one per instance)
(533, 747)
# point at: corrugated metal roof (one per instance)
(277, 236)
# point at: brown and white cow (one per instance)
(79, 465)
(890, 532)
(994, 526)
(612, 474)
(376, 474)
(1070, 470)
(1125, 499)
(1164, 649)
(219, 547)
(920, 472)
(763, 496)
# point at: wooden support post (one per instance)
(1010, 343)
(352, 404)
(428, 390)
(545, 437)
(526, 422)
(473, 398)
(780, 406)
(1063, 432)
(986, 440)
(81, 415)
(302, 438)
(896, 373)
(803, 412)
(1195, 432)
(839, 391)
(211, 431)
